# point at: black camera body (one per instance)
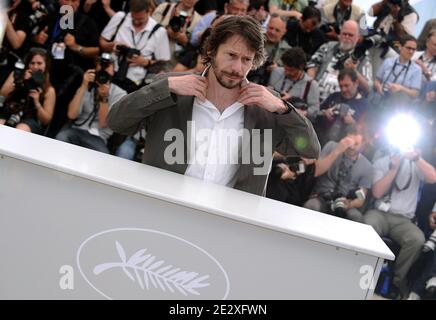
(39, 19)
(126, 51)
(341, 109)
(176, 23)
(338, 206)
(327, 26)
(102, 76)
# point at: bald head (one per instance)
(276, 29)
(349, 35)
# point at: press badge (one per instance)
(58, 50)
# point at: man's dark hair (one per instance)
(311, 13)
(294, 58)
(354, 130)
(407, 37)
(246, 27)
(347, 72)
(139, 5)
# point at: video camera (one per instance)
(176, 23)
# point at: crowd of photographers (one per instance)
(61, 71)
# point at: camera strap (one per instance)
(118, 28)
(343, 172)
(394, 184)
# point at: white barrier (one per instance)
(78, 224)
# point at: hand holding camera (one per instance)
(88, 78)
(344, 144)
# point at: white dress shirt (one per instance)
(217, 140)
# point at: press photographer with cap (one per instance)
(89, 108)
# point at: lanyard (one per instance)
(140, 38)
(397, 75)
(343, 172)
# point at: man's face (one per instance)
(232, 62)
(309, 25)
(346, 3)
(73, 3)
(348, 37)
(353, 151)
(109, 69)
(139, 19)
(276, 30)
(188, 3)
(236, 8)
(431, 45)
(292, 73)
(348, 87)
(407, 51)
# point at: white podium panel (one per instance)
(78, 224)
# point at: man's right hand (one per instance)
(189, 85)
(344, 144)
(88, 77)
(395, 161)
(329, 113)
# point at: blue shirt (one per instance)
(408, 74)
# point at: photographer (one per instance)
(344, 177)
(90, 106)
(291, 179)
(30, 98)
(397, 179)
(305, 33)
(137, 41)
(275, 46)
(427, 59)
(399, 79)
(336, 13)
(395, 18)
(17, 27)
(293, 81)
(425, 285)
(333, 56)
(347, 107)
(179, 19)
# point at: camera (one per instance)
(102, 76)
(341, 110)
(326, 27)
(39, 19)
(127, 51)
(298, 103)
(295, 164)
(176, 23)
(430, 244)
(17, 103)
(261, 74)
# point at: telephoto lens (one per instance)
(430, 244)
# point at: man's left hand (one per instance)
(255, 94)
(103, 90)
(137, 60)
(349, 64)
(395, 87)
(70, 40)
